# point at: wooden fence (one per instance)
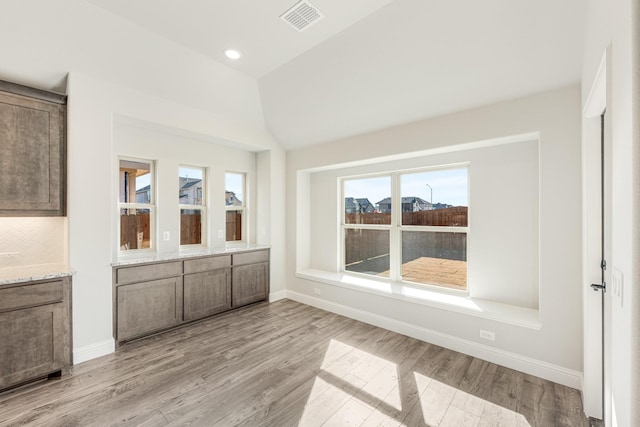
(234, 226)
(368, 250)
(130, 226)
(190, 228)
(447, 217)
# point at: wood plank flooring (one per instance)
(288, 364)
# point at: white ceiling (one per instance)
(252, 26)
(372, 64)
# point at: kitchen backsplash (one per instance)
(32, 241)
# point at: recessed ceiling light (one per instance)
(233, 54)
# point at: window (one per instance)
(408, 226)
(191, 183)
(235, 206)
(367, 224)
(136, 204)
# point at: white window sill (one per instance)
(506, 313)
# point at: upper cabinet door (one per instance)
(32, 154)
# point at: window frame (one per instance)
(151, 206)
(201, 207)
(242, 209)
(396, 228)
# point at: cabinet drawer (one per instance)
(148, 272)
(206, 264)
(30, 295)
(250, 257)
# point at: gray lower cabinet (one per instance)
(147, 307)
(250, 283)
(35, 330)
(207, 293)
(151, 297)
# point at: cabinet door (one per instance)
(32, 165)
(250, 283)
(31, 343)
(207, 293)
(143, 308)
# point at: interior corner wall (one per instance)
(270, 221)
(94, 108)
(613, 25)
(555, 115)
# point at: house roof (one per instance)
(411, 199)
(190, 183)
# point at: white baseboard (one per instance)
(93, 351)
(548, 371)
(277, 296)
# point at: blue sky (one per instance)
(449, 186)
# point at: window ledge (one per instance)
(506, 313)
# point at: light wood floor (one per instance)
(287, 364)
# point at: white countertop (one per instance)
(192, 253)
(29, 273)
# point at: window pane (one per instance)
(435, 258)
(135, 226)
(135, 182)
(367, 251)
(191, 185)
(367, 201)
(234, 226)
(234, 189)
(436, 198)
(190, 226)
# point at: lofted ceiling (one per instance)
(371, 64)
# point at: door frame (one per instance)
(596, 378)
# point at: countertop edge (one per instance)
(16, 275)
(172, 256)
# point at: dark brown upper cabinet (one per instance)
(32, 151)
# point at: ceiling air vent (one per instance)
(302, 15)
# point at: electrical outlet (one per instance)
(316, 291)
(220, 234)
(166, 236)
(487, 335)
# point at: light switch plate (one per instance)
(166, 235)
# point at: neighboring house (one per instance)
(190, 191)
(143, 195)
(230, 199)
(409, 204)
(350, 205)
(441, 206)
(353, 205)
(365, 206)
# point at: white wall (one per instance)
(614, 24)
(502, 244)
(556, 116)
